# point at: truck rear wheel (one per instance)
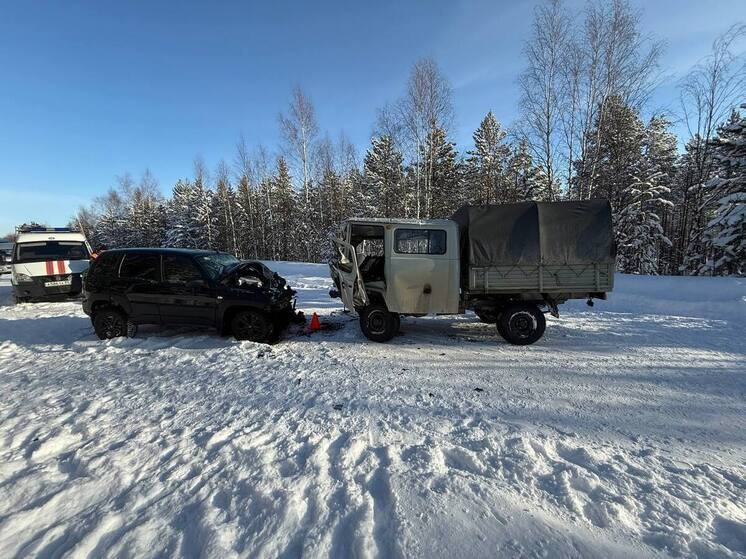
(377, 323)
(521, 324)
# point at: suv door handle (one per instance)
(427, 290)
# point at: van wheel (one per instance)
(521, 324)
(251, 325)
(377, 323)
(110, 323)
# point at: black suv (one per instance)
(127, 287)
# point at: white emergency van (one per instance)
(48, 262)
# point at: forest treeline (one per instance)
(586, 130)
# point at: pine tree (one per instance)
(616, 147)
(724, 237)
(383, 175)
(660, 156)
(637, 223)
(487, 163)
(523, 177)
(440, 159)
(183, 229)
(286, 240)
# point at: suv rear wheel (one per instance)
(377, 323)
(251, 325)
(110, 323)
(521, 323)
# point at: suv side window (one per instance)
(103, 268)
(420, 241)
(180, 269)
(141, 266)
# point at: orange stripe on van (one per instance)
(50, 268)
(60, 266)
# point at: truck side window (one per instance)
(141, 266)
(420, 241)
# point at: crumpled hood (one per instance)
(256, 269)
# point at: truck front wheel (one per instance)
(377, 323)
(521, 324)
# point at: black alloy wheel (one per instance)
(251, 325)
(110, 323)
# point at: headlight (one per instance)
(24, 278)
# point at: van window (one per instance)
(420, 241)
(141, 266)
(51, 250)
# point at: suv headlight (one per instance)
(24, 278)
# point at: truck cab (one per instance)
(396, 267)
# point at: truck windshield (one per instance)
(51, 250)
(214, 264)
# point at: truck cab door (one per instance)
(423, 269)
(346, 274)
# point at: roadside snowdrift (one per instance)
(621, 434)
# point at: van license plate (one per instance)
(67, 281)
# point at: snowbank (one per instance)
(621, 434)
(702, 297)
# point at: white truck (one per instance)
(508, 263)
(48, 262)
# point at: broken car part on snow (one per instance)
(509, 263)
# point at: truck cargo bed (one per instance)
(542, 278)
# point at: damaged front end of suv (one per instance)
(253, 284)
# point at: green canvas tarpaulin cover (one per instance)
(531, 233)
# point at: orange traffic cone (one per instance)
(315, 323)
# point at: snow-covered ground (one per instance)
(621, 434)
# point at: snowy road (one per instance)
(621, 434)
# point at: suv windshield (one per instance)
(51, 250)
(214, 264)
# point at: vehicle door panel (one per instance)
(345, 266)
(422, 283)
(188, 297)
(139, 285)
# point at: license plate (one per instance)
(68, 281)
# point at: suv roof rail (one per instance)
(42, 229)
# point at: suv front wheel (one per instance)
(251, 325)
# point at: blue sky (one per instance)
(90, 90)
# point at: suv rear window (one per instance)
(141, 266)
(51, 250)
